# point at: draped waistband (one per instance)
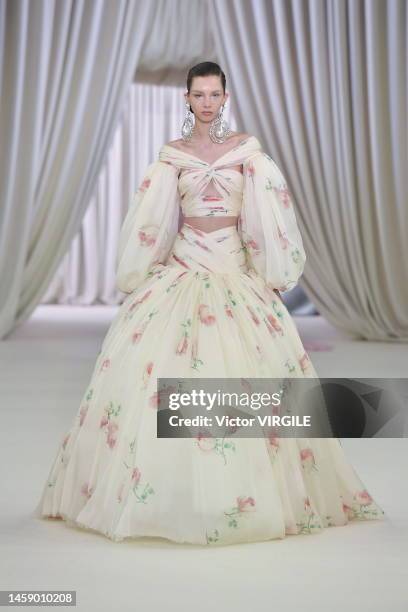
(220, 251)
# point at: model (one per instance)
(202, 301)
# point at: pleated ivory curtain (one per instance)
(65, 69)
(325, 87)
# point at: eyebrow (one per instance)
(199, 91)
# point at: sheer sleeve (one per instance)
(150, 226)
(268, 226)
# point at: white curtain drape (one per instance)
(65, 69)
(152, 115)
(324, 87)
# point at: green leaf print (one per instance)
(212, 538)
(219, 446)
(231, 297)
(141, 496)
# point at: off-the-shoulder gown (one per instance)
(200, 304)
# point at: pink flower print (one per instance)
(202, 245)
(65, 441)
(213, 198)
(363, 498)
(274, 322)
(259, 296)
(136, 474)
(245, 503)
(180, 261)
(250, 169)
(283, 239)
(86, 490)
(145, 184)
(104, 421)
(269, 327)
(228, 311)
(182, 346)
(112, 427)
(205, 317)
(137, 335)
(283, 194)
(348, 511)
(306, 453)
(105, 364)
(147, 372)
(206, 443)
(139, 332)
(195, 230)
(274, 442)
(307, 458)
(140, 300)
(111, 438)
(146, 239)
(82, 414)
(154, 400)
(304, 361)
(252, 244)
(253, 315)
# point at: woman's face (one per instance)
(206, 97)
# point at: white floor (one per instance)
(46, 364)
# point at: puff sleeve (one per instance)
(150, 226)
(267, 225)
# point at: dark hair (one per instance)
(205, 69)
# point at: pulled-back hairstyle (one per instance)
(205, 69)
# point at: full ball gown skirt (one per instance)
(201, 311)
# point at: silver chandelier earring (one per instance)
(219, 128)
(187, 127)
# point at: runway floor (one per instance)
(45, 366)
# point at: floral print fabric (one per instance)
(199, 305)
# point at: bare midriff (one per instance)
(210, 224)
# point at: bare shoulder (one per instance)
(239, 136)
(177, 144)
(180, 144)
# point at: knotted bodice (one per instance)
(196, 175)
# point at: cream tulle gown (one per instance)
(200, 305)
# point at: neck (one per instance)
(202, 133)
